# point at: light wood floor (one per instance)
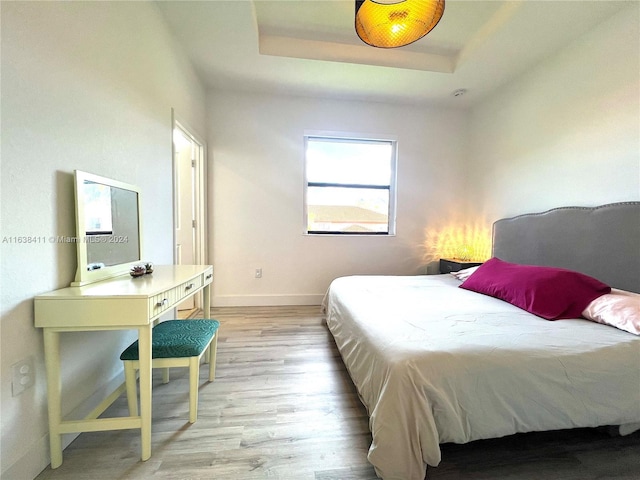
(283, 407)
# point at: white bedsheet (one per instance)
(434, 363)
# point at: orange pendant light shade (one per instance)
(394, 23)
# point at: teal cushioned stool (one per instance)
(175, 343)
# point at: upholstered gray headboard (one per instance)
(603, 242)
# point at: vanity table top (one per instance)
(163, 277)
(122, 301)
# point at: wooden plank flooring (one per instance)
(283, 407)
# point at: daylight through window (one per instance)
(350, 186)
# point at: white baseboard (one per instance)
(29, 466)
(265, 300)
(37, 456)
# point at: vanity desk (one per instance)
(118, 303)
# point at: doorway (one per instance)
(189, 201)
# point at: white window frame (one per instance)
(348, 136)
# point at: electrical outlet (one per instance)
(23, 376)
(258, 273)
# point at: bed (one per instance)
(434, 363)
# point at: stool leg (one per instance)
(132, 390)
(213, 350)
(194, 375)
(165, 375)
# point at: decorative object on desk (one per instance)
(137, 270)
(148, 267)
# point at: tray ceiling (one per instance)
(309, 47)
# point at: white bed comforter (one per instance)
(434, 363)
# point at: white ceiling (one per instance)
(309, 47)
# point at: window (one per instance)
(350, 186)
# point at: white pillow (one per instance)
(620, 309)
(462, 275)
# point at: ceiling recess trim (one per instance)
(359, 54)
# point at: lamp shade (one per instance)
(394, 23)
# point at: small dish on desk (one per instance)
(137, 271)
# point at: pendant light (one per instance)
(395, 23)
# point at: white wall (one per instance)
(256, 148)
(567, 132)
(89, 86)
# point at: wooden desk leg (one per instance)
(206, 300)
(52, 362)
(144, 354)
(206, 313)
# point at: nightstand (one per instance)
(450, 265)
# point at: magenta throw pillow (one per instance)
(551, 293)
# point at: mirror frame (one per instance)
(84, 276)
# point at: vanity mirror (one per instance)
(108, 227)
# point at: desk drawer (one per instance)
(187, 288)
(168, 299)
(161, 302)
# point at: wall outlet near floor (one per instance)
(23, 376)
(258, 273)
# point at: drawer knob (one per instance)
(209, 276)
(189, 287)
(164, 302)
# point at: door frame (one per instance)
(200, 194)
